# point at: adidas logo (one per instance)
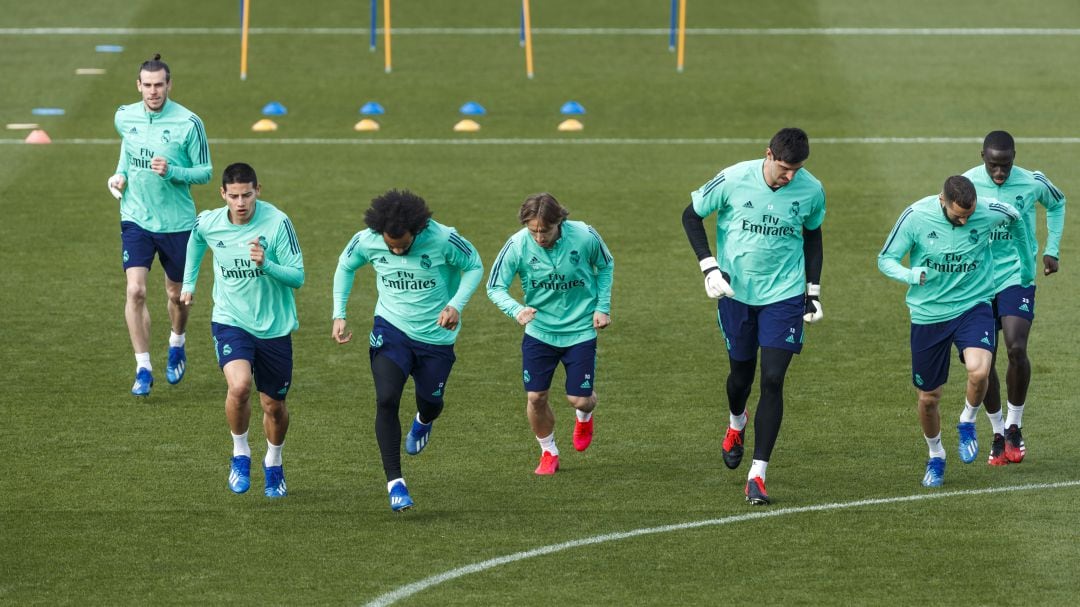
(220, 245)
(534, 261)
(932, 235)
(133, 131)
(986, 340)
(790, 339)
(748, 205)
(585, 385)
(1025, 308)
(397, 500)
(380, 260)
(437, 392)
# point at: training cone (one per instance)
(571, 125)
(572, 108)
(37, 136)
(473, 108)
(274, 109)
(372, 109)
(367, 124)
(263, 126)
(467, 126)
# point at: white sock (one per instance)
(996, 422)
(738, 422)
(176, 341)
(142, 361)
(583, 416)
(273, 454)
(547, 443)
(421, 422)
(240, 445)
(1016, 416)
(757, 469)
(936, 450)
(970, 413)
(391, 484)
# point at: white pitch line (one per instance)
(410, 589)
(556, 31)
(593, 141)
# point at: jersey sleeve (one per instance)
(897, 245)
(462, 255)
(817, 217)
(502, 276)
(604, 264)
(121, 163)
(289, 267)
(351, 259)
(712, 196)
(1054, 201)
(196, 248)
(198, 150)
(1019, 240)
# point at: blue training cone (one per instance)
(372, 108)
(473, 108)
(572, 108)
(274, 109)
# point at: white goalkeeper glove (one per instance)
(715, 285)
(114, 184)
(813, 303)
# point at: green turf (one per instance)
(105, 499)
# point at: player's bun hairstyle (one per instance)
(999, 140)
(542, 206)
(397, 212)
(155, 64)
(790, 145)
(960, 191)
(239, 172)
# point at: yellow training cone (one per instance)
(264, 125)
(571, 124)
(367, 124)
(467, 126)
(38, 136)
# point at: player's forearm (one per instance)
(1055, 225)
(499, 294)
(343, 282)
(470, 279)
(1023, 250)
(290, 276)
(694, 226)
(196, 175)
(813, 253)
(196, 248)
(891, 267)
(604, 279)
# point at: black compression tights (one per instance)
(389, 384)
(770, 409)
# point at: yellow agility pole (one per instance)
(682, 35)
(386, 32)
(245, 20)
(528, 38)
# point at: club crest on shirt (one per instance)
(575, 257)
(795, 209)
(166, 137)
(425, 262)
(973, 237)
(262, 242)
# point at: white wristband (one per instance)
(707, 264)
(813, 290)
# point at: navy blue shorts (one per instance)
(139, 246)
(271, 359)
(775, 325)
(539, 360)
(930, 344)
(1015, 301)
(428, 364)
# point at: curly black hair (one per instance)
(397, 212)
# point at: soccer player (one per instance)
(163, 151)
(257, 266)
(566, 272)
(1014, 304)
(951, 282)
(766, 276)
(425, 273)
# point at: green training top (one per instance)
(566, 283)
(161, 204)
(956, 259)
(759, 232)
(258, 300)
(440, 269)
(1022, 190)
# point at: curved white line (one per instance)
(410, 589)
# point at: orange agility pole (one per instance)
(244, 39)
(528, 38)
(682, 35)
(386, 32)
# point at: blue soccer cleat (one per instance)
(399, 497)
(174, 371)
(969, 445)
(143, 381)
(935, 472)
(240, 474)
(418, 436)
(275, 481)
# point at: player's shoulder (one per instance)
(995, 206)
(209, 217)
(743, 170)
(127, 111)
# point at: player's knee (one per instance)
(537, 400)
(136, 293)
(429, 409)
(1018, 354)
(272, 407)
(928, 402)
(239, 389)
(772, 380)
(583, 403)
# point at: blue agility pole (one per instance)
(674, 17)
(374, 18)
(521, 38)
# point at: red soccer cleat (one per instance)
(755, 492)
(583, 434)
(548, 464)
(1015, 450)
(997, 451)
